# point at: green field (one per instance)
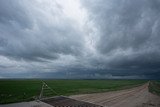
(26, 90)
(154, 87)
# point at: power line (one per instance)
(46, 91)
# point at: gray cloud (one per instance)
(129, 28)
(125, 24)
(107, 39)
(28, 37)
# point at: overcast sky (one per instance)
(80, 39)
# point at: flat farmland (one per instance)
(27, 90)
(154, 87)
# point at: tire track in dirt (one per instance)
(135, 97)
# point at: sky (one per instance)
(89, 39)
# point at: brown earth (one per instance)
(135, 97)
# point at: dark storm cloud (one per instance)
(125, 24)
(11, 12)
(130, 28)
(111, 39)
(27, 33)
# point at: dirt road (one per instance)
(135, 97)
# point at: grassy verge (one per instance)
(154, 87)
(26, 90)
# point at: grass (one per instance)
(154, 87)
(26, 90)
